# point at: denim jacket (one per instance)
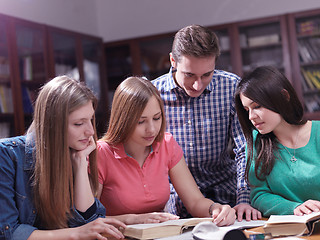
(17, 211)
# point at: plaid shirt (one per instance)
(203, 127)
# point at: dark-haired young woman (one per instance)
(283, 149)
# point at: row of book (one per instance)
(312, 103)
(4, 67)
(257, 41)
(308, 27)
(309, 49)
(311, 79)
(26, 68)
(4, 129)
(264, 40)
(28, 98)
(6, 104)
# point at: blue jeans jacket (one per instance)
(17, 211)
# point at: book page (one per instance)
(207, 231)
(274, 219)
(178, 222)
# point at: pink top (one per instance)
(128, 188)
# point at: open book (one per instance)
(159, 230)
(289, 225)
(170, 229)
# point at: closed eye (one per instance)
(189, 75)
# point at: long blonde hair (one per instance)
(129, 101)
(53, 177)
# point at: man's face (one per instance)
(193, 74)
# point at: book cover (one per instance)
(263, 40)
(26, 100)
(307, 79)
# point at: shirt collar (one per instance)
(120, 153)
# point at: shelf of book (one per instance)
(30, 55)
(80, 57)
(224, 61)
(305, 34)
(264, 42)
(244, 46)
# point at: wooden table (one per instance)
(314, 236)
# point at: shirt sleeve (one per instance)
(10, 225)
(243, 189)
(174, 150)
(79, 220)
(263, 199)
(102, 164)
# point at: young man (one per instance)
(200, 113)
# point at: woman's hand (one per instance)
(79, 158)
(307, 207)
(83, 197)
(223, 215)
(155, 217)
(100, 228)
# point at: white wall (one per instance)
(76, 15)
(122, 19)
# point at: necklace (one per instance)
(293, 157)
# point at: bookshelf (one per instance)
(30, 44)
(6, 106)
(119, 64)
(264, 42)
(305, 34)
(155, 55)
(274, 41)
(30, 55)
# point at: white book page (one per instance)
(291, 218)
(178, 222)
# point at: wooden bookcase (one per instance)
(244, 46)
(30, 55)
(305, 49)
(264, 42)
(7, 111)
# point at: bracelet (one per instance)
(211, 209)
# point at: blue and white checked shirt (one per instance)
(203, 126)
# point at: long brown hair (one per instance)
(129, 101)
(53, 177)
(269, 88)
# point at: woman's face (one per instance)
(80, 127)
(263, 119)
(149, 124)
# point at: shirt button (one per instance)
(189, 122)
(190, 144)
(144, 185)
(34, 212)
(7, 227)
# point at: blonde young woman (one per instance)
(136, 157)
(45, 189)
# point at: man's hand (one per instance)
(250, 212)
